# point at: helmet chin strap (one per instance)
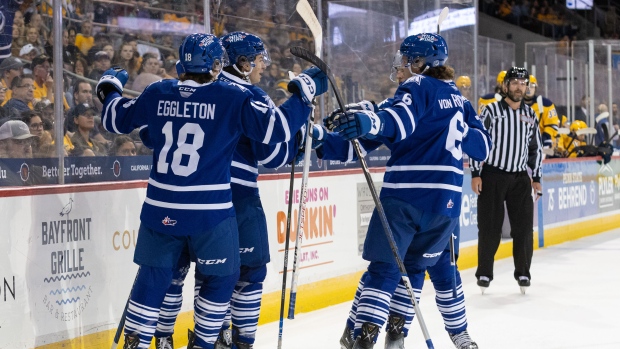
(245, 75)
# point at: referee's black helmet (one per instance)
(517, 73)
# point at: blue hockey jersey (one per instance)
(194, 129)
(249, 153)
(426, 165)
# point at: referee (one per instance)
(517, 144)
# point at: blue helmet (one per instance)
(241, 44)
(425, 50)
(201, 53)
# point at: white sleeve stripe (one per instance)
(207, 187)
(408, 113)
(179, 206)
(107, 110)
(114, 114)
(424, 168)
(350, 155)
(143, 126)
(285, 158)
(272, 155)
(287, 131)
(399, 122)
(362, 150)
(272, 120)
(263, 109)
(244, 183)
(244, 167)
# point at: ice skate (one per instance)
(366, 340)
(131, 342)
(346, 341)
(394, 336)
(524, 283)
(224, 340)
(484, 283)
(236, 343)
(191, 340)
(164, 343)
(462, 340)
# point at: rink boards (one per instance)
(66, 258)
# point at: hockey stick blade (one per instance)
(307, 14)
(312, 58)
(442, 16)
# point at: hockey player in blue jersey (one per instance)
(248, 59)
(193, 125)
(442, 274)
(427, 126)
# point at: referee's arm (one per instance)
(535, 154)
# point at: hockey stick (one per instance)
(286, 243)
(308, 56)
(442, 16)
(121, 323)
(307, 14)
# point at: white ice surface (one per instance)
(574, 302)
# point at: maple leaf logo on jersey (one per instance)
(450, 204)
(168, 221)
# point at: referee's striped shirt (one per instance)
(516, 139)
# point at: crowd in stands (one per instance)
(92, 43)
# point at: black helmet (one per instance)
(516, 73)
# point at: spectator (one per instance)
(9, 69)
(3, 91)
(602, 125)
(127, 60)
(72, 35)
(42, 145)
(33, 38)
(36, 21)
(123, 145)
(19, 33)
(80, 67)
(28, 52)
(15, 140)
(84, 119)
(46, 110)
(23, 94)
(85, 40)
(148, 72)
(43, 81)
(109, 49)
(581, 112)
(101, 63)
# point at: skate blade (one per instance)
(523, 288)
(482, 289)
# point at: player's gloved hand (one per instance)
(358, 124)
(318, 134)
(362, 105)
(310, 83)
(113, 79)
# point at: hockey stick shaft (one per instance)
(307, 14)
(453, 264)
(301, 215)
(286, 243)
(121, 323)
(308, 56)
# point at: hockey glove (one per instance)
(310, 83)
(362, 105)
(354, 125)
(318, 134)
(113, 80)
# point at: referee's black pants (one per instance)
(515, 188)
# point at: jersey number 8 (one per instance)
(183, 148)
